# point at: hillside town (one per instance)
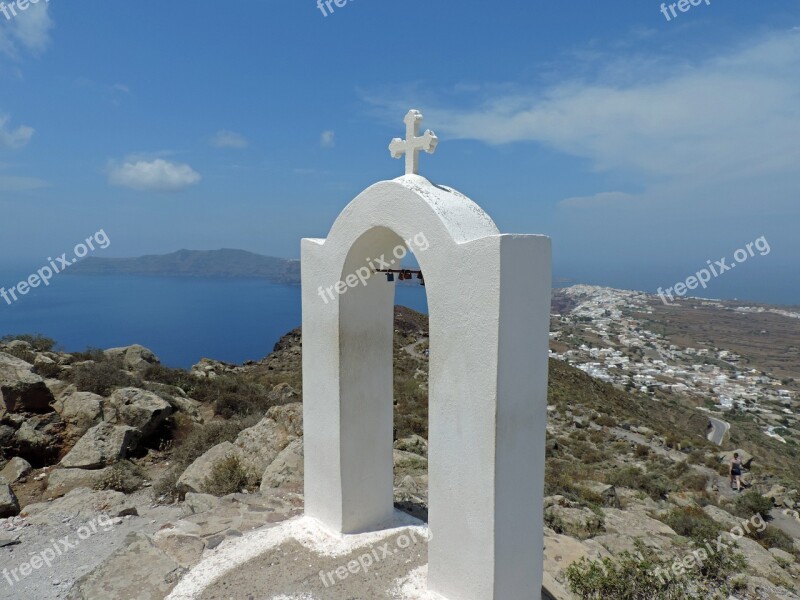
(604, 333)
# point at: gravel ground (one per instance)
(77, 557)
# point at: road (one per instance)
(718, 430)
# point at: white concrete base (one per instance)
(311, 533)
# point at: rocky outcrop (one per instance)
(286, 470)
(134, 358)
(289, 416)
(137, 408)
(259, 445)
(63, 481)
(16, 469)
(39, 439)
(9, 505)
(193, 478)
(20, 388)
(102, 445)
(415, 444)
(210, 369)
(80, 410)
(283, 393)
(140, 569)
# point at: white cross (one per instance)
(413, 143)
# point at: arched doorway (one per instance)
(489, 299)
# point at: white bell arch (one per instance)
(489, 306)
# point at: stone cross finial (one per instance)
(413, 143)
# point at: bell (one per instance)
(390, 277)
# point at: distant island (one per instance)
(196, 263)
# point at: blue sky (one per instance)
(643, 146)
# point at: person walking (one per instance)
(736, 472)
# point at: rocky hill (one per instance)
(195, 263)
(173, 465)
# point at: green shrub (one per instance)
(95, 354)
(750, 504)
(227, 476)
(772, 537)
(123, 477)
(232, 396)
(48, 370)
(653, 483)
(629, 577)
(100, 378)
(694, 523)
(37, 341)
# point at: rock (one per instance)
(18, 345)
(80, 505)
(140, 570)
(415, 444)
(283, 393)
(134, 358)
(288, 416)
(727, 457)
(782, 497)
(259, 445)
(9, 505)
(287, 469)
(193, 478)
(16, 469)
(560, 551)
(199, 503)
(633, 522)
(81, 411)
(580, 422)
(782, 556)
(724, 518)
(760, 561)
(138, 408)
(187, 406)
(59, 389)
(209, 369)
(38, 439)
(102, 445)
(6, 435)
(607, 492)
(63, 481)
(184, 548)
(22, 390)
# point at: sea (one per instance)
(184, 319)
(181, 319)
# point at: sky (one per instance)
(644, 144)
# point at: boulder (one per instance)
(20, 389)
(102, 445)
(9, 505)
(415, 444)
(782, 497)
(210, 369)
(259, 445)
(79, 505)
(607, 492)
(63, 481)
(760, 561)
(81, 411)
(193, 478)
(137, 408)
(782, 556)
(560, 551)
(726, 457)
(38, 439)
(196, 503)
(140, 570)
(186, 549)
(16, 469)
(288, 416)
(283, 393)
(287, 469)
(134, 358)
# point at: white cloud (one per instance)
(14, 138)
(733, 115)
(28, 30)
(229, 139)
(154, 175)
(327, 139)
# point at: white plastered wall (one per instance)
(489, 305)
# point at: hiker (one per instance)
(736, 471)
